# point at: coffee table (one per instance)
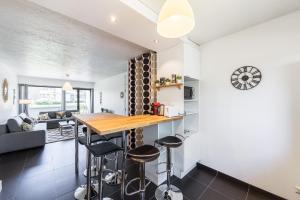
(66, 126)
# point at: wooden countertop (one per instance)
(105, 123)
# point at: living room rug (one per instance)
(53, 135)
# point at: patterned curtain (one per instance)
(142, 72)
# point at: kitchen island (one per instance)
(106, 124)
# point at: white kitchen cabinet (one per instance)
(152, 133)
(183, 59)
(191, 61)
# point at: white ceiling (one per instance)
(130, 25)
(216, 18)
(42, 43)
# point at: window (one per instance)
(47, 98)
(78, 99)
(85, 101)
(71, 100)
(44, 99)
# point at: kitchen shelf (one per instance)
(186, 134)
(190, 100)
(190, 113)
(178, 85)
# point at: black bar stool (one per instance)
(168, 191)
(94, 139)
(99, 151)
(114, 175)
(80, 192)
(142, 154)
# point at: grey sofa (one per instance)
(53, 121)
(12, 138)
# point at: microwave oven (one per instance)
(188, 92)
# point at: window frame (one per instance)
(23, 93)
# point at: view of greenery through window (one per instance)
(71, 100)
(85, 101)
(51, 99)
(44, 99)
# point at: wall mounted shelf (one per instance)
(187, 113)
(190, 100)
(178, 85)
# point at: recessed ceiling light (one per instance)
(156, 41)
(113, 19)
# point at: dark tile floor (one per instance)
(48, 173)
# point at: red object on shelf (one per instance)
(155, 108)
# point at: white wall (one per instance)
(171, 61)
(8, 109)
(53, 82)
(254, 135)
(111, 88)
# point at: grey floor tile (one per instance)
(213, 195)
(48, 173)
(36, 170)
(202, 175)
(37, 187)
(38, 156)
(9, 186)
(68, 196)
(230, 187)
(257, 194)
(190, 187)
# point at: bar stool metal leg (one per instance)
(88, 178)
(141, 155)
(76, 146)
(168, 168)
(100, 172)
(114, 177)
(142, 181)
(168, 191)
(124, 140)
(99, 151)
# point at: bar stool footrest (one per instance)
(165, 171)
(137, 191)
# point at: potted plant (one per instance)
(168, 81)
(157, 83)
(179, 79)
(174, 78)
(162, 80)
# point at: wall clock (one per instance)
(246, 77)
(5, 90)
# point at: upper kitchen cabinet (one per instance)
(191, 60)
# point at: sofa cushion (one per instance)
(43, 116)
(52, 115)
(68, 114)
(26, 127)
(3, 129)
(28, 120)
(60, 114)
(14, 125)
(23, 116)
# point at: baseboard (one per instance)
(183, 174)
(199, 165)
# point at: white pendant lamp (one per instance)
(176, 19)
(67, 85)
